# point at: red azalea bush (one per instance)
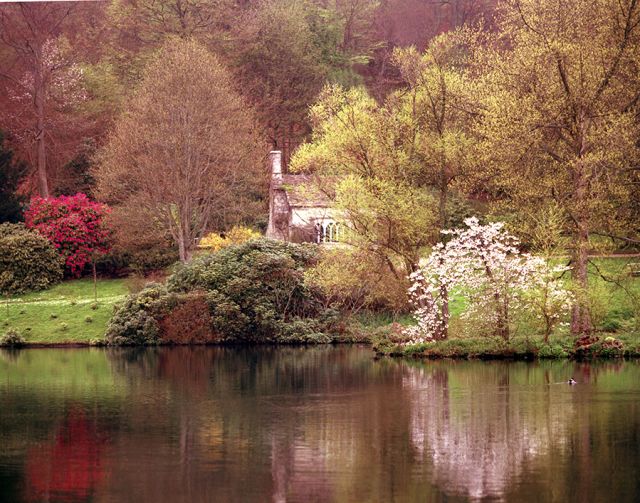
(75, 225)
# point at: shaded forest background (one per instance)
(66, 68)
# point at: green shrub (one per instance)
(134, 322)
(300, 330)
(12, 339)
(353, 279)
(88, 319)
(138, 259)
(154, 259)
(28, 261)
(251, 292)
(552, 350)
(610, 325)
(256, 290)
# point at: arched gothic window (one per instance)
(328, 232)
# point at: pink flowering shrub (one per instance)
(483, 264)
(75, 225)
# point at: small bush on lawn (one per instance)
(12, 339)
(139, 258)
(27, 260)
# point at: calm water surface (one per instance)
(325, 424)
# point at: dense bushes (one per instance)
(144, 261)
(388, 342)
(252, 292)
(134, 322)
(27, 260)
(353, 279)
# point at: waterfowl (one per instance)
(571, 381)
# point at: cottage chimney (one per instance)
(275, 158)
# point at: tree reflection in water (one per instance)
(70, 466)
(321, 424)
(479, 446)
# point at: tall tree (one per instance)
(415, 23)
(185, 152)
(560, 116)
(438, 108)
(30, 31)
(363, 153)
(280, 67)
(284, 51)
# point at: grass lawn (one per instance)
(65, 313)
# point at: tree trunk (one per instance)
(580, 317)
(444, 294)
(182, 250)
(95, 281)
(442, 207)
(39, 98)
(444, 310)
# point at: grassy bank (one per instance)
(66, 313)
(614, 300)
(519, 348)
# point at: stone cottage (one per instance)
(298, 210)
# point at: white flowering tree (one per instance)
(483, 264)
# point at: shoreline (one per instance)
(596, 346)
(409, 353)
(529, 357)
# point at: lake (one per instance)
(312, 424)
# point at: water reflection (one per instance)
(69, 466)
(479, 446)
(324, 424)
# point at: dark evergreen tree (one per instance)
(11, 173)
(76, 176)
